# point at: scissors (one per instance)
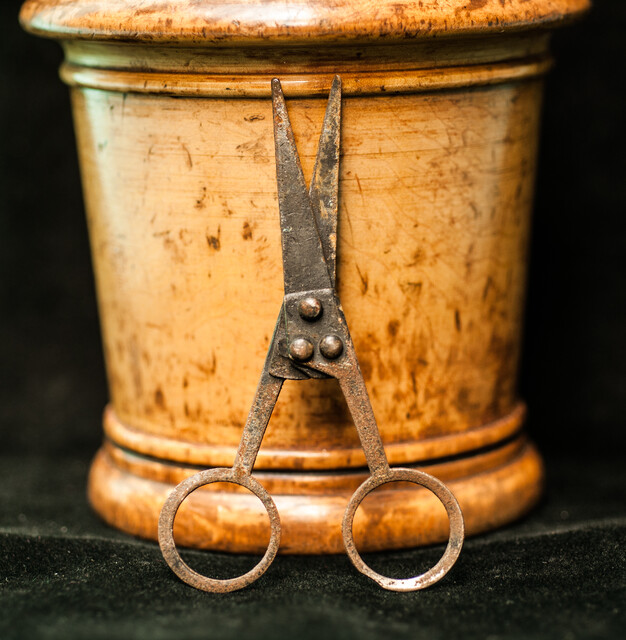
(311, 340)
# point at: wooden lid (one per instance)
(226, 22)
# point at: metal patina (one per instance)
(311, 340)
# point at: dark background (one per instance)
(53, 389)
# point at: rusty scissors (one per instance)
(311, 340)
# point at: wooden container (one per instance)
(440, 124)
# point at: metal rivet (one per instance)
(331, 347)
(310, 308)
(301, 349)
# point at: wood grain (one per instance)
(261, 21)
(436, 191)
(392, 517)
(303, 456)
(301, 85)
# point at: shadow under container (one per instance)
(173, 119)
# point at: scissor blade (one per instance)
(324, 189)
(304, 266)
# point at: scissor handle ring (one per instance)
(455, 541)
(166, 530)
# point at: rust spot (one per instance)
(464, 402)
(200, 201)
(488, 286)
(392, 328)
(453, 356)
(409, 288)
(256, 148)
(414, 382)
(364, 281)
(476, 4)
(185, 236)
(135, 366)
(168, 243)
(189, 161)
(457, 319)
(337, 408)
(462, 399)
(358, 183)
(159, 398)
(185, 382)
(227, 210)
(246, 233)
(208, 369)
(214, 241)
(416, 258)
(372, 340)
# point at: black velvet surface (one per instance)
(559, 573)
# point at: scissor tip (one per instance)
(335, 90)
(275, 83)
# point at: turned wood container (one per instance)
(173, 120)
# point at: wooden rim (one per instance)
(317, 482)
(212, 455)
(311, 524)
(251, 22)
(199, 85)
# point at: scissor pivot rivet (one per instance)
(301, 349)
(331, 347)
(310, 308)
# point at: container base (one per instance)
(493, 487)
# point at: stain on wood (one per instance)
(159, 398)
(246, 232)
(214, 241)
